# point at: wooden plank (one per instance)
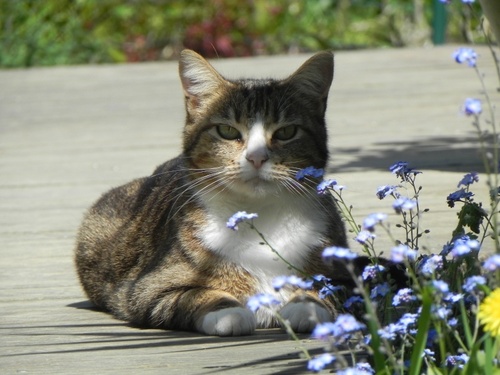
(67, 134)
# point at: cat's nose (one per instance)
(257, 157)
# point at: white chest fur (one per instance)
(290, 224)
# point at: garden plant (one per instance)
(446, 318)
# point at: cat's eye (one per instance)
(286, 133)
(228, 132)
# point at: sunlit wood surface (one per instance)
(68, 134)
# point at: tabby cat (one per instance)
(156, 252)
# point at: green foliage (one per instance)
(471, 215)
(52, 32)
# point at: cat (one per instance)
(156, 252)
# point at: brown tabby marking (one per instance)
(156, 251)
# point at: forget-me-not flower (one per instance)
(492, 263)
(309, 171)
(472, 282)
(238, 217)
(401, 253)
(458, 196)
(404, 295)
(464, 245)
(339, 253)
(318, 363)
(325, 185)
(380, 290)
(431, 264)
(404, 204)
(371, 271)
(364, 236)
(465, 55)
(472, 107)
(262, 300)
(384, 191)
(468, 179)
(371, 220)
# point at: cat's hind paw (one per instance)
(233, 321)
(303, 316)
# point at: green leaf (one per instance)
(471, 215)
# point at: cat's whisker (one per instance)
(156, 251)
(195, 192)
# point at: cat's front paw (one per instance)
(303, 316)
(233, 321)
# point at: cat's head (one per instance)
(251, 136)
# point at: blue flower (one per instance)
(458, 196)
(370, 272)
(364, 236)
(432, 336)
(398, 167)
(323, 331)
(354, 371)
(492, 263)
(408, 319)
(404, 295)
(328, 290)
(371, 220)
(469, 179)
(341, 329)
(441, 286)
(465, 55)
(338, 252)
(431, 264)
(309, 171)
(391, 331)
(402, 170)
(472, 107)
(261, 300)
(401, 253)
(384, 191)
(351, 301)
(325, 185)
(345, 325)
(238, 217)
(457, 360)
(404, 204)
(429, 354)
(365, 366)
(464, 245)
(440, 312)
(446, 249)
(453, 298)
(453, 322)
(472, 282)
(321, 278)
(380, 290)
(318, 363)
(280, 281)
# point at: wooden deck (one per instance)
(67, 134)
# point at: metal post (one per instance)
(438, 22)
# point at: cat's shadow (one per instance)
(261, 334)
(117, 335)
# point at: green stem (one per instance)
(290, 265)
(423, 327)
(284, 323)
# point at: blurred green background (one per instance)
(54, 32)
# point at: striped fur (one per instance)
(156, 251)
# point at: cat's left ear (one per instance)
(315, 76)
(199, 79)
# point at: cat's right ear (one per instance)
(199, 79)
